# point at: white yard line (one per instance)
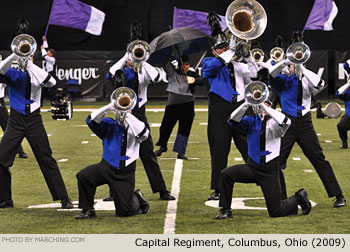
(170, 218)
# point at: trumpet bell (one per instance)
(23, 45)
(277, 54)
(298, 53)
(256, 93)
(258, 55)
(124, 99)
(139, 51)
(246, 19)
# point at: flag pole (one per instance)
(48, 22)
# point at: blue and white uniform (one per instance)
(295, 93)
(117, 168)
(227, 80)
(262, 168)
(343, 126)
(25, 121)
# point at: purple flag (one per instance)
(322, 15)
(75, 14)
(195, 19)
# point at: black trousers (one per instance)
(302, 132)
(4, 116)
(267, 177)
(184, 113)
(121, 183)
(148, 158)
(31, 127)
(220, 134)
(343, 126)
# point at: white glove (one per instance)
(190, 80)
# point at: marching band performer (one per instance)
(121, 142)
(264, 134)
(24, 86)
(295, 85)
(180, 106)
(344, 124)
(138, 80)
(227, 80)
(49, 65)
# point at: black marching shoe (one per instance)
(6, 203)
(160, 151)
(109, 198)
(22, 155)
(66, 203)
(214, 196)
(303, 201)
(224, 213)
(340, 202)
(165, 195)
(344, 145)
(86, 214)
(144, 205)
(181, 156)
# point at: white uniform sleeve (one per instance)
(151, 71)
(137, 127)
(343, 88)
(227, 56)
(238, 113)
(39, 76)
(276, 69)
(6, 63)
(283, 121)
(312, 78)
(98, 115)
(120, 64)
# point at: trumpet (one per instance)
(277, 54)
(255, 94)
(139, 52)
(23, 46)
(124, 100)
(258, 55)
(298, 53)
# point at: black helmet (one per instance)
(297, 37)
(217, 37)
(119, 79)
(217, 41)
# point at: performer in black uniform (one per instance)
(227, 81)
(121, 143)
(180, 107)
(4, 115)
(138, 80)
(295, 88)
(264, 140)
(24, 86)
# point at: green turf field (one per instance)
(193, 216)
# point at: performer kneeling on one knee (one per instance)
(264, 131)
(121, 143)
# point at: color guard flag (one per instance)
(75, 14)
(195, 19)
(322, 14)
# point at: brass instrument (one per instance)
(298, 53)
(23, 46)
(124, 100)
(247, 20)
(256, 93)
(258, 55)
(277, 54)
(139, 52)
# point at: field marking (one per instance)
(154, 125)
(238, 159)
(328, 141)
(308, 171)
(296, 158)
(84, 142)
(63, 160)
(170, 217)
(239, 204)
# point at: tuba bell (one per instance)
(124, 100)
(255, 94)
(277, 54)
(139, 52)
(258, 55)
(246, 19)
(23, 46)
(298, 53)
